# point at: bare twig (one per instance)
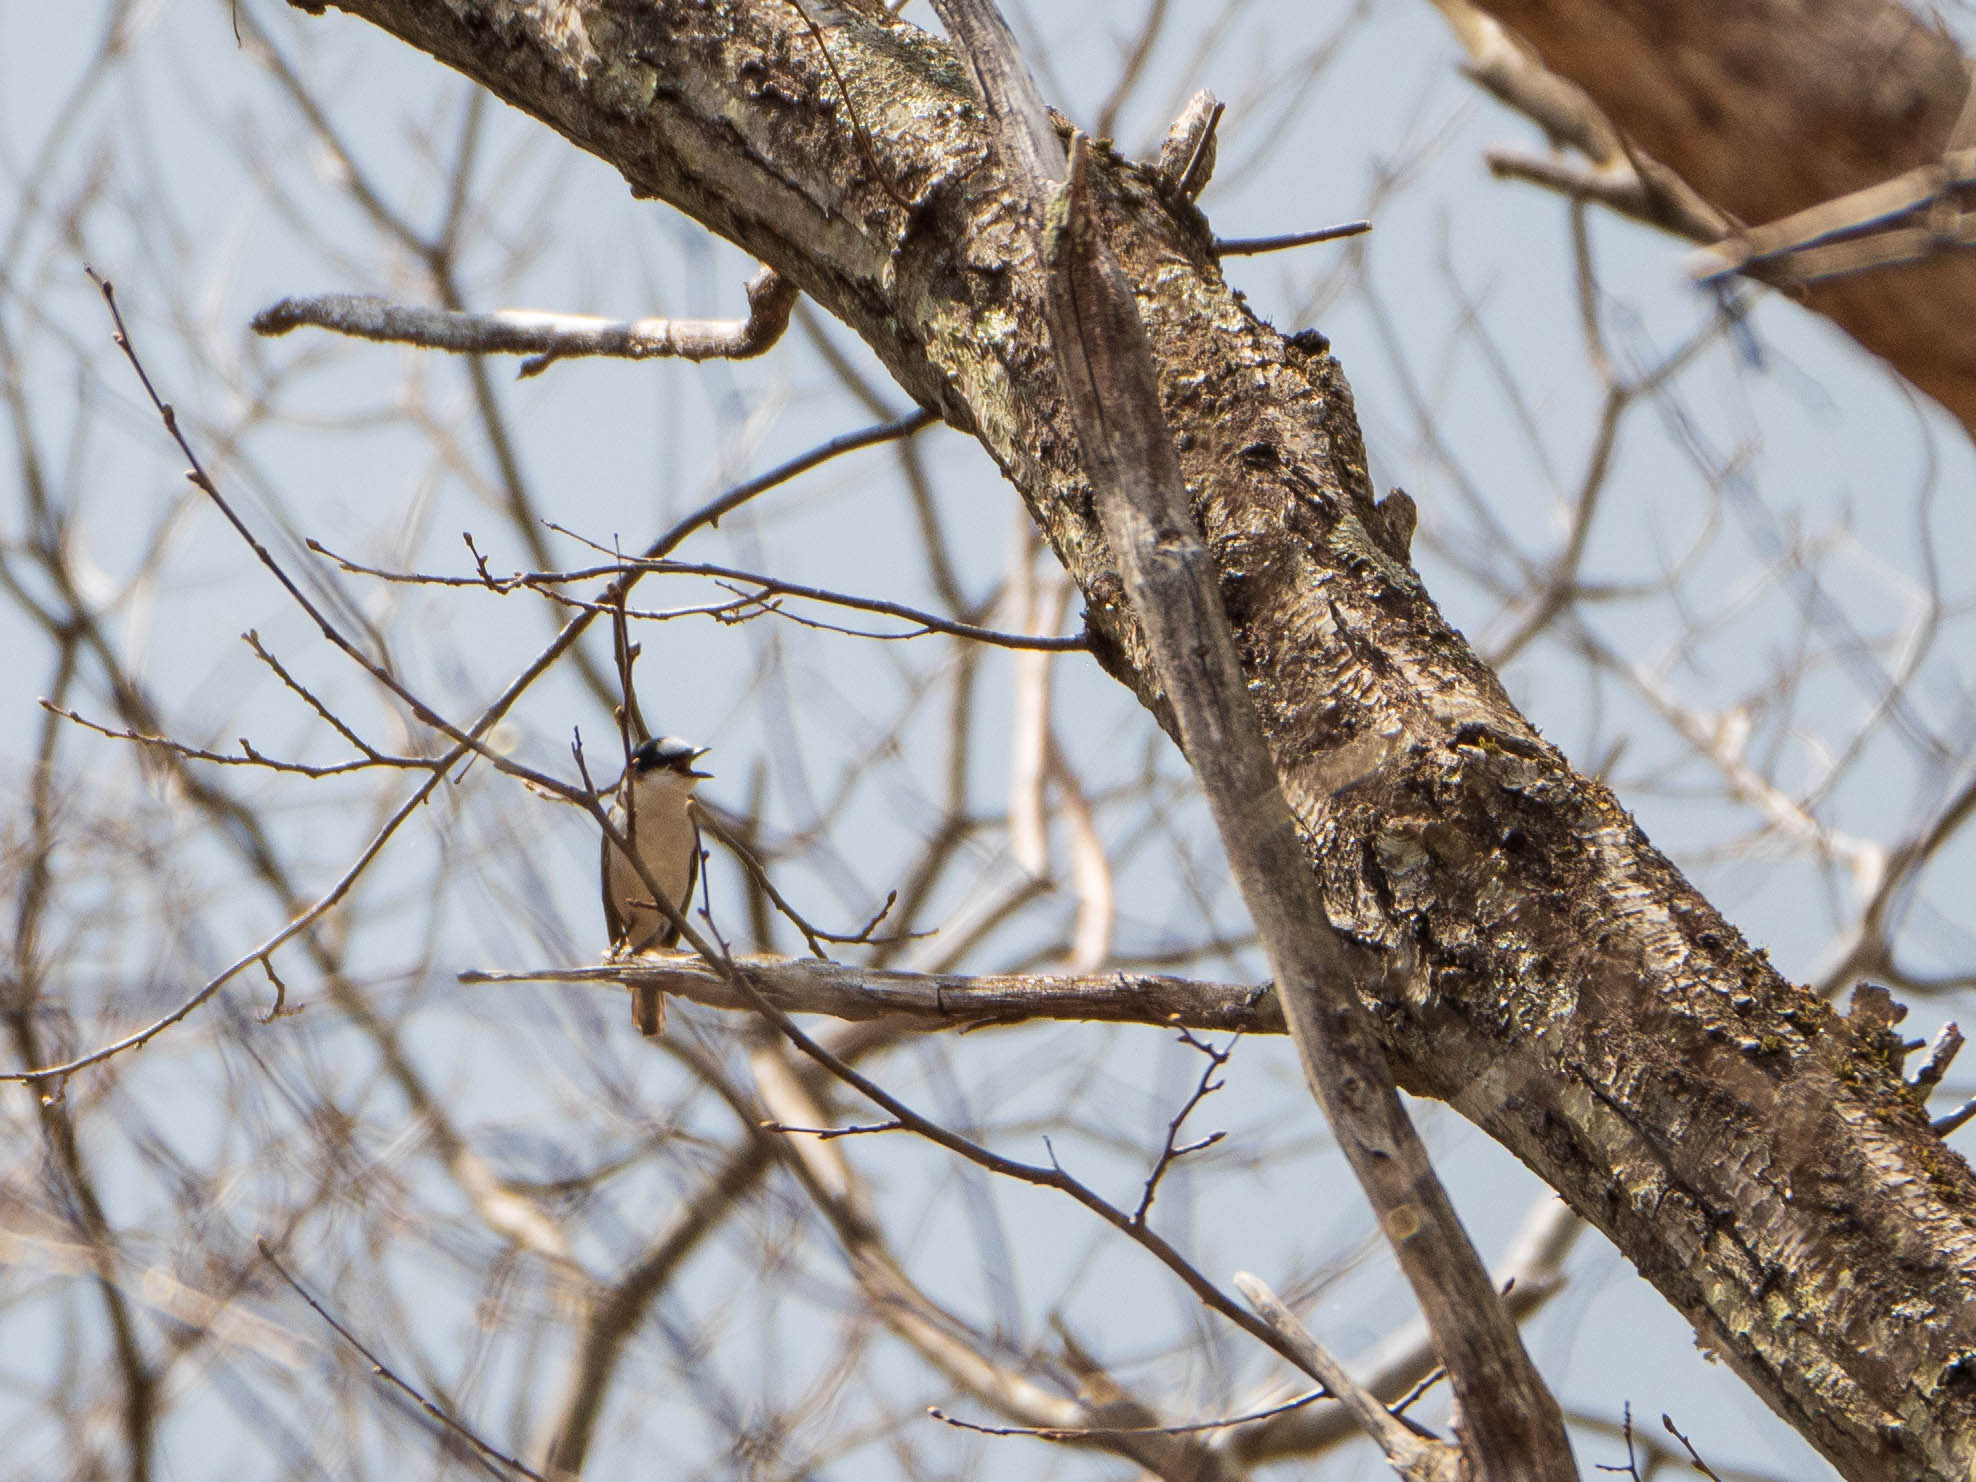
(1858, 230)
(928, 622)
(1941, 1053)
(828, 1134)
(249, 755)
(1414, 1456)
(1412, 1397)
(1255, 246)
(1694, 1456)
(390, 1376)
(1944, 1125)
(862, 134)
(1645, 197)
(1632, 1467)
(1173, 1150)
(308, 697)
(1080, 1433)
(815, 935)
(544, 336)
(547, 582)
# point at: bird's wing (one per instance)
(613, 923)
(669, 936)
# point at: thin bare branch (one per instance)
(1255, 246)
(391, 1377)
(546, 337)
(935, 1000)
(1098, 1432)
(1414, 1456)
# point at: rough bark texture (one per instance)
(1767, 107)
(1753, 1154)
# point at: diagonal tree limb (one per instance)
(1529, 1274)
(1756, 1159)
(1513, 1427)
(1413, 1456)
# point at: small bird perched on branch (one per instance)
(650, 811)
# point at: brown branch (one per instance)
(1173, 1149)
(547, 581)
(1403, 1366)
(839, 990)
(249, 756)
(1866, 218)
(1619, 188)
(1414, 1456)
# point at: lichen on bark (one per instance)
(1545, 969)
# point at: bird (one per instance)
(650, 811)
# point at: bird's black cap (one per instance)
(670, 753)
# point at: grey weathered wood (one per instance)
(1553, 976)
(805, 985)
(1513, 1429)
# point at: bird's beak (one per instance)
(692, 771)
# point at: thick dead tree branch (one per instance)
(1513, 1428)
(1754, 1155)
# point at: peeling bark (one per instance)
(1547, 971)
